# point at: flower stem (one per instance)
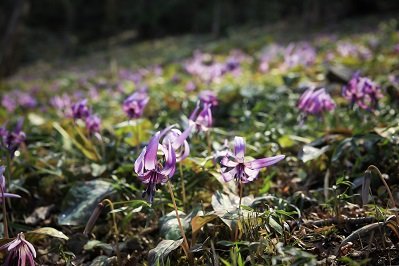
(208, 140)
(186, 247)
(116, 232)
(183, 188)
(5, 222)
(239, 210)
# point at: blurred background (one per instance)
(34, 30)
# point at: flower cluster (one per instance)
(80, 110)
(315, 102)
(13, 99)
(363, 92)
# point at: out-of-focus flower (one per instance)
(315, 102)
(3, 190)
(13, 139)
(9, 103)
(93, 124)
(202, 119)
(208, 97)
(154, 171)
(190, 86)
(134, 105)
(301, 53)
(348, 49)
(178, 140)
(80, 110)
(363, 92)
(62, 104)
(20, 252)
(16, 98)
(235, 167)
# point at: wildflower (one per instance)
(20, 252)
(134, 105)
(202, 119)
(93, 123)
(152, 171)
(208, 97)
(314, 102)
(190, 86)
(363, 92)
(12, 140)
(178, 140)
(80, 110)
(234, 165)
(3, 193)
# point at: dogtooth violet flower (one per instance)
(234, 165)
(152, 170)
(11, 140)
(201, 119)
(363, 92)
(80, 110)
(20, 252)
(134, 105)
(3, 193)
(314, 102)
(178, 141)
(93, 124)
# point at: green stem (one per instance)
(186, 247)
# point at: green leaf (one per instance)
(157, 255)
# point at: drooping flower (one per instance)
(152, 170)
(93, 124)
(80, 110)
(363, 92)
(20, 252)
(208, 97)
(178, 140)
(235, 167)
(11, 140)
(202, 119)
(134, 105)
(3, 193)
(315, 102)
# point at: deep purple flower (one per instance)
(20, 252)
(152, 170)
(93, 124)
(178, 140)
(13, 139)
(202, 119)
(208, 97)
(235, 166)
(80, 110)
(134, 105)
(363, 92)
(3, 190)
(315, 102)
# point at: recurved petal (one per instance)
(239, 147)
(150, 157)
(182, 137)
(264, 162)
(170, 160)
(228, 175)
(139, 163)
(251, 173)
(31, 248)
(228, 163)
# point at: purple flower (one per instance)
(208, 97)
(314, 102)
(363, 92)
(178, 140)
(134, 105)
(20, 252)
(190, 86)
(9, 103)
(93, 124)
(11, 140)
(3, 193)
(152, 170)
(234, 165)
(202, 119)
(80, 110)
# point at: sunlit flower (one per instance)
(93, 124)
(235, 167)
(314, 102)
(134, 105)
(178, 140)
(20, 252)
(80, 110)
(3, 193)
(202, 119)
(363, 92)
(152, 170)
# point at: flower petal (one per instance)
(239, 147)
(264, 162)
(139, 163)
(150, 157)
